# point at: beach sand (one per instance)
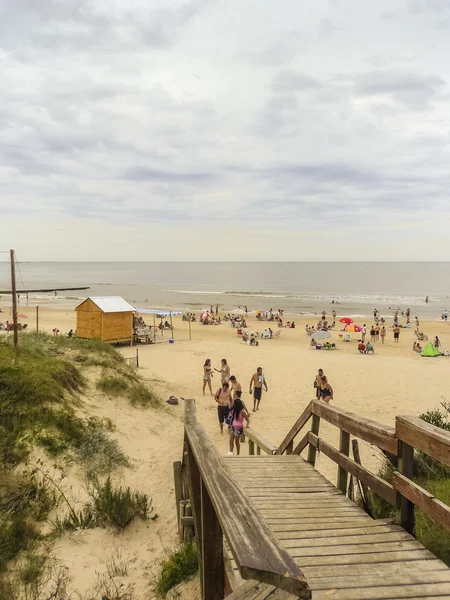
(394, 381)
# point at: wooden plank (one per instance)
(212, 550)
(435, 508)
(287, 493)
(178, 489)
(432, 440)
(275, 522)
(406, 467)
(361, 531)
(252, 590)
(194, 487)
(386, 592)
(295, 429)
(301, 445)
(345, 540)
(379, 569)
(359, 549)
(370, 431)
(260, 441)
(187, 520)
(251, 448)
(327, 501)
(323, 526)
(277, 513)
(363, 581)
(344, 448)
(375, 483)
(312, 450)
(366, 558)
(257, 552)
(311, 488)
(266, 458)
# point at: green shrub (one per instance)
(178, 567)
(112, 385)
(117, 507)
(98, 453)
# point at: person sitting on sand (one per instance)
(313, 343)
(418, 348)
(370, 348)
(236, 430)
(362, 347)
(292, 325)
(414, 348)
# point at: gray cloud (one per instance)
(290, 81)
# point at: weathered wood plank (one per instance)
(345, 540)
(375, 483)
(316, 533)
(257, 552)
(301, 445)
(432, 440)
(363, 581)
(212, 550)
(327, 501)
(295, 429)
(435, 508)
(323, 526)
(378, 569)
(274, 513)
(178, 489)
(406, 467)
(370, 431)
(344, 448)
(252, 590)
(306, 519)
(312, 450)
(366, 558)
(386, 592)
(360, 549)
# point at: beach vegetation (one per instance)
(131, 387)
(180, 565)
(432, 476)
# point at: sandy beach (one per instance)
(393, 381)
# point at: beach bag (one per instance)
(229, 419)
(172, 400)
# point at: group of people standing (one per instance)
(231, 409)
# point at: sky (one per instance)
(225, 129)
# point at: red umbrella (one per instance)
(346, 320)
(354, 328)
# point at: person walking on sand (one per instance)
(326, 391)
(235, 385)
(363, 333)
(224, 400)
(382, 334)
(417, 322)
(207, 375)
(224, 371)
(317, 382)
(372, 334)
(257, 382)
(239, 415)
(396, 333)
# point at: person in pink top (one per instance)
(239, 415)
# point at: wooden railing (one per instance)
(255, 440)
(220, 508)
(412, 433)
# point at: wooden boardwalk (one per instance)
(343, 553)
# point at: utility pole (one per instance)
(14, 308)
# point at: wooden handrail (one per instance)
(370, 431)
(257, 552)
(419, 434)
(260, 441)
(295, 430)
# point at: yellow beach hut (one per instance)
(106, 318)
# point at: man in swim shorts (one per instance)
(257, 382)
(224, 401)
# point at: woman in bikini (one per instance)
(207, 374)
(240, 415)
(224, 371)
(326, 391)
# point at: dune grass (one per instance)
(179, 566)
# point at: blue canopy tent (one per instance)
(160, 313)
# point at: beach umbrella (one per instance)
(346, 320)
(353, 328)
(21, 316)
(205, 314)
(321, 335)
(260, 311)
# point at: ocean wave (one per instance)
(198, 292)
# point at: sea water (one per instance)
(353, 288)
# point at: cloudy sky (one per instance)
(225, 129)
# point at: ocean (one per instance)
(355, 288)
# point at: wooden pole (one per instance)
(365, 495)
(178, 486)
(154, 328)
(189, 319)
(14, 308)
(211, 550)
(171, 324)
(37, 318)
(344, 447)
(137, 357)
(406, 468)
(312, 451)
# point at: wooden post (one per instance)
(14, 307)
(194, 486)
(315, 424)
(154, 328)
(188, 525)
(212, 551)
(27, 298)
(178, 487)
(365, 494)
(137, 357)
(37, 318)
(290, 447)
(171, 324)
(189, 319)
(344, 447)
(251, 447)
(258, 450)
(406, 468)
